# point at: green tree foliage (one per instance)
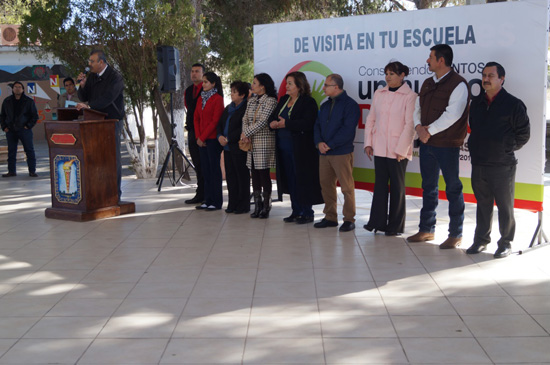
(13, 11)
(228, 25)
(426, 4)
(128, 30)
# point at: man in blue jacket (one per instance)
(334, 133)
(499, 126)
(17, 118)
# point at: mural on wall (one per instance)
(43, 83)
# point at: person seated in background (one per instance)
(70, 94)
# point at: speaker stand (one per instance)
(172, 150)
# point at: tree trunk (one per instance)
(190, 54)
(165, 122)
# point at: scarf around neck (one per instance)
(205, 95)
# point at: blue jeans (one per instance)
(210, 160)
(432, 160)
(25, 136)
(287, 154)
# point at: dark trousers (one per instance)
(433, 159)
(237, 177)
(286, 148)
(196, 157)
(261, 180)
(388, 169)
(118, 133)
(25, 136)
(494, 184)
(210, 159)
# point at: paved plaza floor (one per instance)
(173, 285)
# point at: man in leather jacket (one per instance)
(499, 126)
(17, 118)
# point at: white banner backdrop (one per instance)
(514, 34)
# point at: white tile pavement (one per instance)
(173, 285)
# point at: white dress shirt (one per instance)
(457, 103)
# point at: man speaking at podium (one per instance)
(103, 90)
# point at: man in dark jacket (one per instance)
(191, 95)
(17, 118)
(103, 90)
(499, 126)
(334, 132)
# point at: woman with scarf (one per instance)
(207, 114)
(230, 128)
(389, 133)
(256, 130)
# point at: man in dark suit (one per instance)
(191, 95)
(103, 90)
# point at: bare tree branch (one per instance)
(398, 4)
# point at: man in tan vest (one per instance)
(440, 118)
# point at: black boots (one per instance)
(267, 205)
(258, 204)
(262, 207)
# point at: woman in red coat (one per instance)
(207, 114)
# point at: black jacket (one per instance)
(27, 117)
(105, 93)
(235, 126)
(191, 105)
(497, 130)
(306, 156)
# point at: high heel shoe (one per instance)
(370, 228)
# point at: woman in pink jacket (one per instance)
(389, 134)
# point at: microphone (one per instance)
(86, 70)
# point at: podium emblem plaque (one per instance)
(67, 179)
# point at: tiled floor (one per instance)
(172, 285)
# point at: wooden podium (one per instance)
(83, 171)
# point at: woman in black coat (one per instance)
(297, 158)
(229, 130)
